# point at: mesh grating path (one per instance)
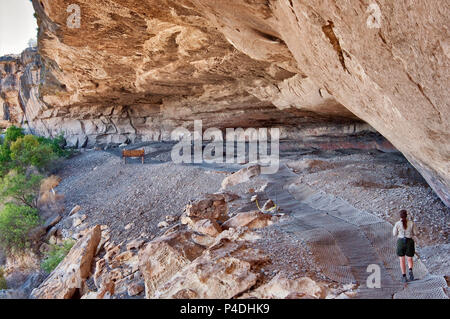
(323, 248)
(431, 287)
(344, 241)
(333, 205)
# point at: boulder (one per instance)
(163, 224)
(135, 244)
(111, 252)
(214, 208)
(224, 271)
(52, 221)
(163, 257)
(71, 273)
(252, 220)
(241, 176)
(203, 240)
(238, 234)
(135, 288)
(77, 220)
(75, 210)
(281, 287)
(207, 227)
(100, 270)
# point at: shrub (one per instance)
(27, 151)
(12, 134)
(16, 222)
(24, 189)
(55, 255)
(19, 155)
(5, 159)
(57, 144)
(19, 151)
(3, 284)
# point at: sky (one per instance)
(17, 26)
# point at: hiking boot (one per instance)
(404, 280)
(411, 275)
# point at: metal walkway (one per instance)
(344, 241)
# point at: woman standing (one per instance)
(405, 229)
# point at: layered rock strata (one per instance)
(134, 70)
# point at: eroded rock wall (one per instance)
(394, 77)
(10, 109)
(173, 67)
(20, 82)
(134, 70)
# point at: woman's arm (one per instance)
(395, 230)
(414, 229)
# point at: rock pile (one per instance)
(206, 254)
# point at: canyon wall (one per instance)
(20, 80)
(133, 70)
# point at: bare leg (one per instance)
(403, 265)
(410, 263)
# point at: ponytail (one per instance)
(403, 214)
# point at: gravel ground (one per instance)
(114, 194)
(436, 259)
(133, 198)
(288, 255)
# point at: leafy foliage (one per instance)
(19, 151)
(57, 145)
(27, 151)
(16, 222)
(12, 134)
(23, 189)
(5, 159)
(55, 255)
(21, 154)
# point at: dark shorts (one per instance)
(405, 246)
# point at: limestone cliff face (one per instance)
(20, 80)
(136, 69)
(9, 91)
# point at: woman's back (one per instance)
(400, 232)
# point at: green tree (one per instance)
(27, 151)
(23, 189)
(12, 134)
(5, 159)
(57, 144)
(16, 222)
